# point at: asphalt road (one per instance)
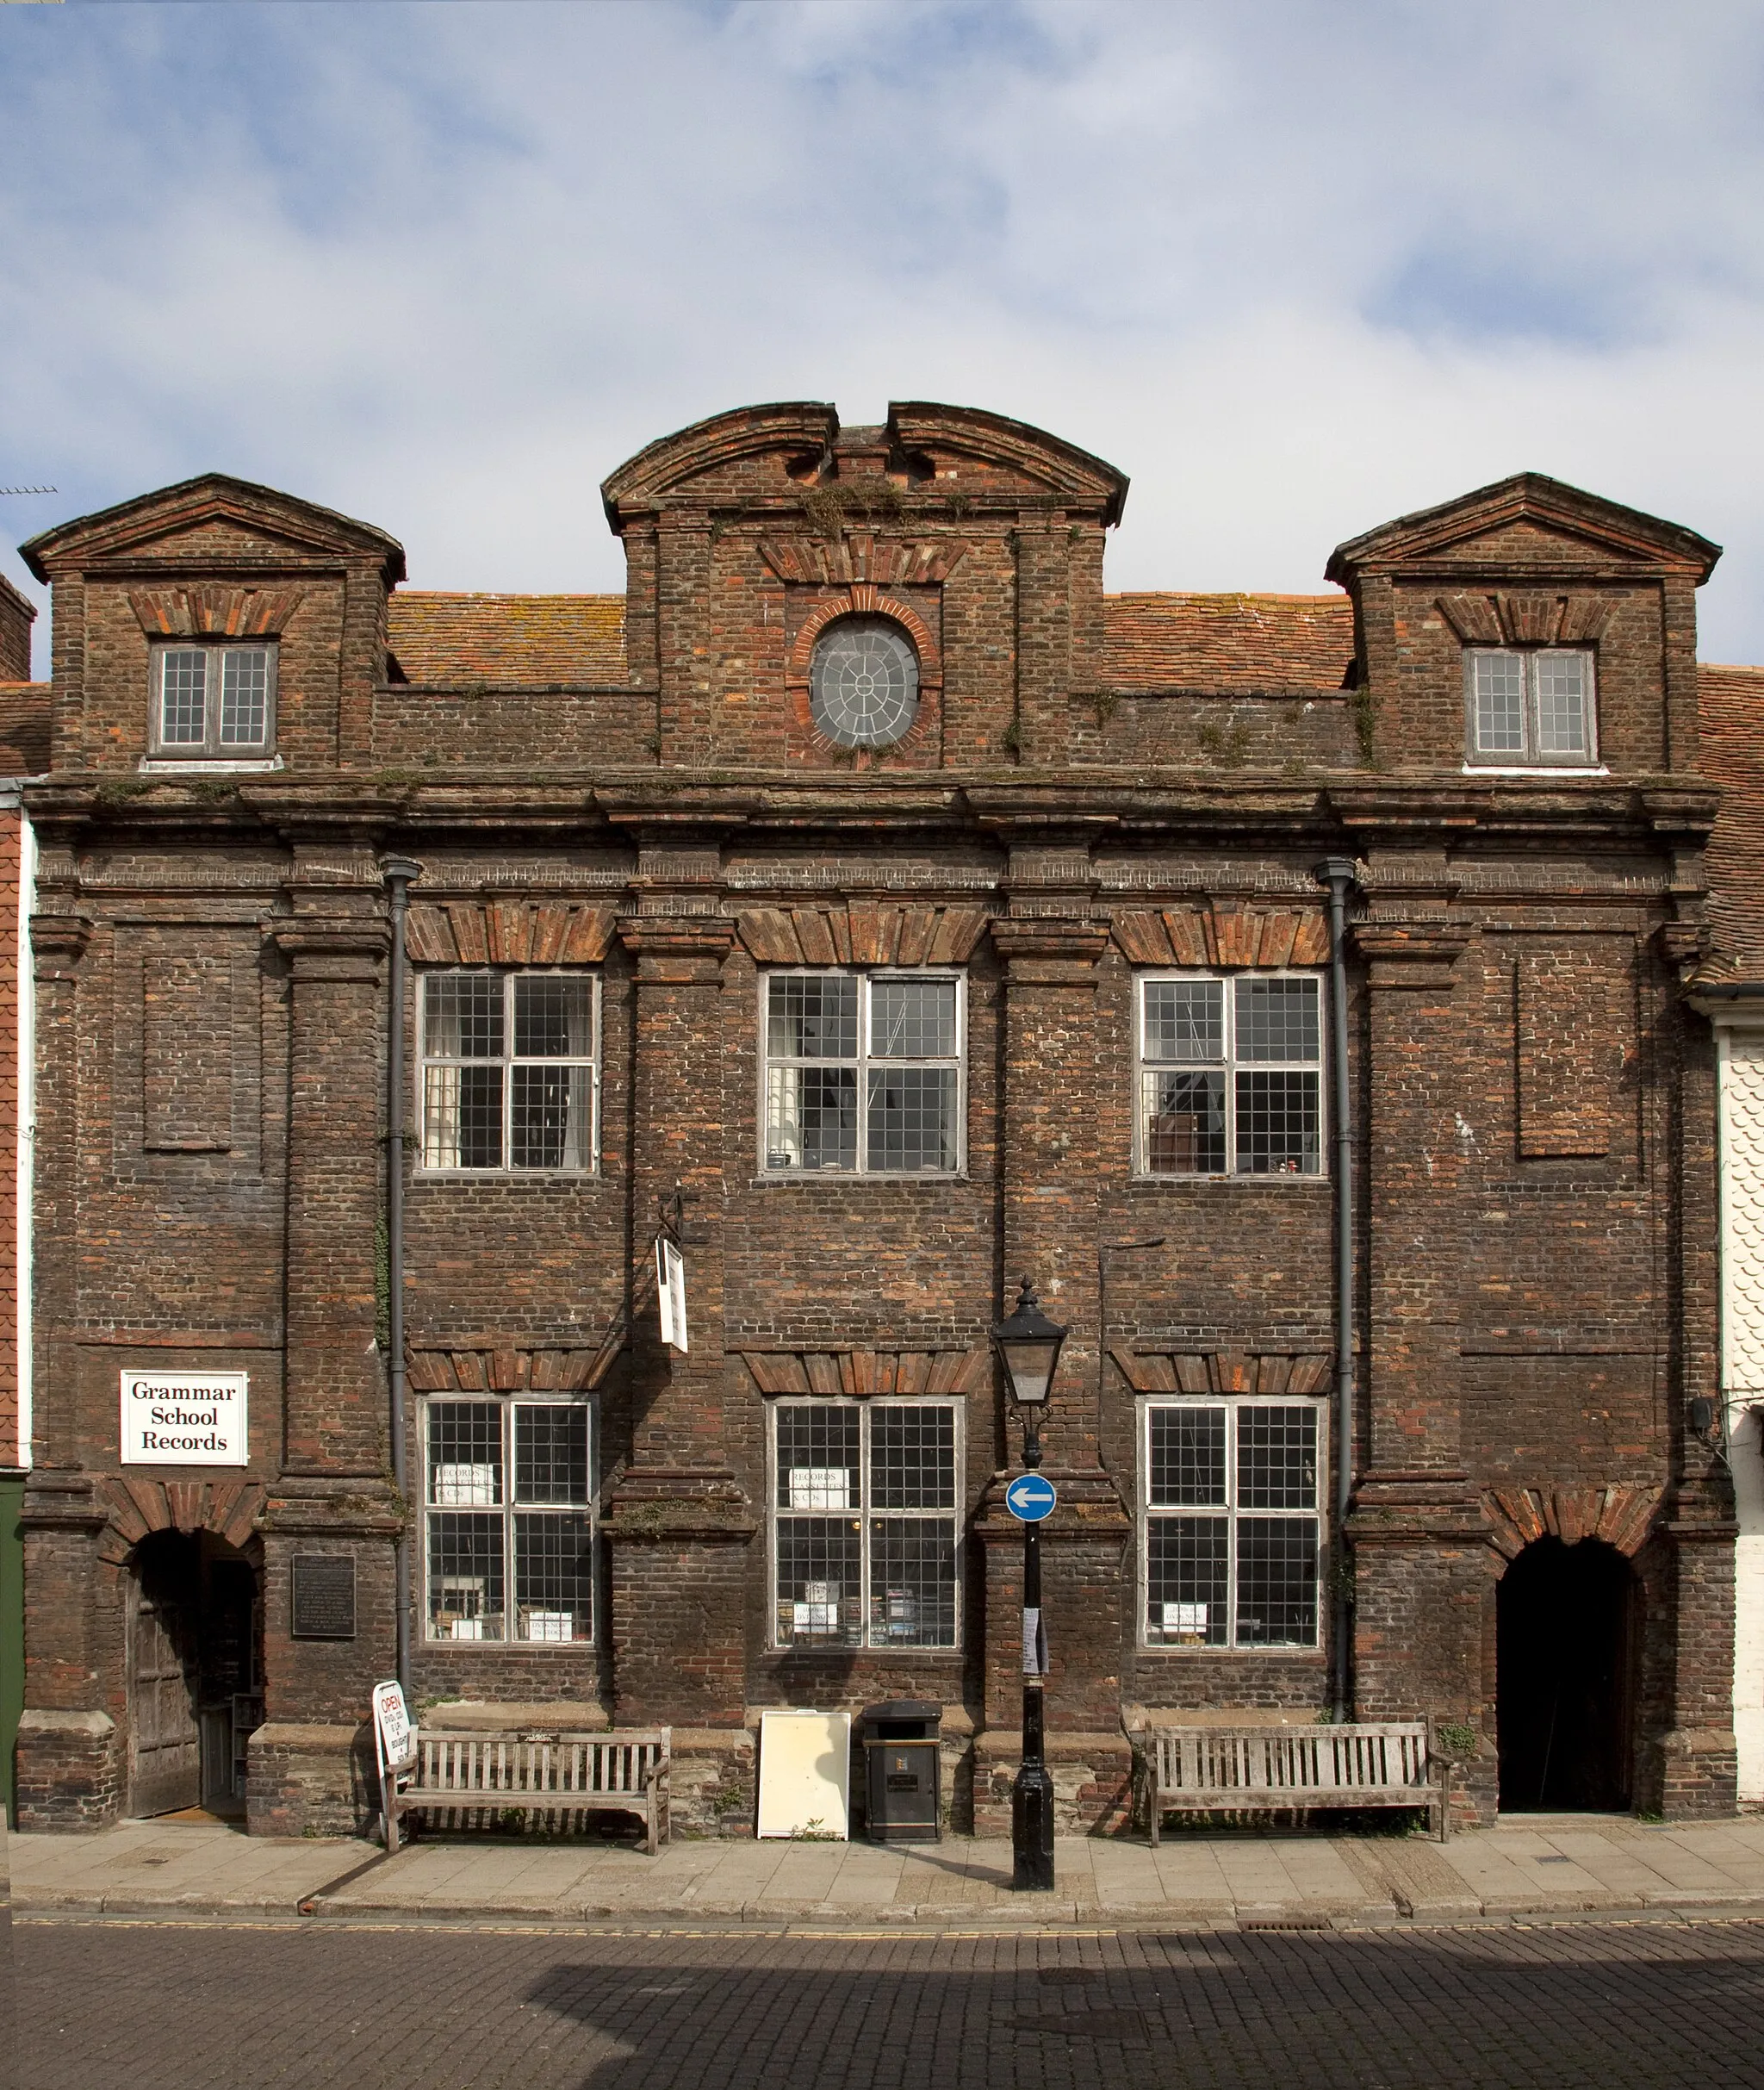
(125, 2006)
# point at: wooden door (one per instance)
(165, 1742)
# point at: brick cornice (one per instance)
(346, 948)
(1416, 955)
(694, 1505)
(1090, 1508)
(677, 936)
(58, 942)
(1032, 947)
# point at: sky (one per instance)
(1296, 268)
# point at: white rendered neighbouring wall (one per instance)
(1742, 1372)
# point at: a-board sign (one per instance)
(184, 1419)
(1029, 1498)
(805, 1776)
(322, 1600)
(392, 1729)
(670, 1292)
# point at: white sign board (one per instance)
(392, 1726)
(805, 1775)
(184, 1419)
(670, 1291)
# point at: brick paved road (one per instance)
(208, 2008)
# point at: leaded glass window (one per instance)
(1528, 707)
(212, 701)
(864, 683)
(863, 1074)
(508, 1520)
(510, 1072)
(1230, 1526)
(1230, 1075)
(864, 1523)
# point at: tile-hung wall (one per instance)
(878, 906)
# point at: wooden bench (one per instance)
(1197, 1771)
(486, 1776)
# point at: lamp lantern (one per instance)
(1028, 1346)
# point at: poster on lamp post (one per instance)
(184, 1419)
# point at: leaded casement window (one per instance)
(864, 683)
(508, 1520)
(1231, 1529)
(1532, 708)
(509, 1071)
(1230, 1074)
(864, 1523)
(863, 1073)
(212, 702)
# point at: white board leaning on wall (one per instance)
(805, 1775)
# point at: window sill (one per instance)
(895, 1653)
(1272, 1179)
(1239, 1654)
(1542, 768)
(209, 765)
(853, 1176)
(505, 1175)
(548, 1648)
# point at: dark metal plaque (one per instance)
(324, 1597)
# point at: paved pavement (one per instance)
(1537, 1864)
(164, 2005)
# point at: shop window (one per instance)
(864, 1523)
(509, 1536)
(863, 1073)
(1231, 1529)
(510, 1072)
(1529, 709)
(1230, 1074)
(213, 703)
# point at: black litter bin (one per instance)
(903, 1741)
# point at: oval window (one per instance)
(864, 683)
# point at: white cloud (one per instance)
(1296, 268)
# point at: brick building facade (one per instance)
(873, 901)
(24, 738)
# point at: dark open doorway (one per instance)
(194, 1671)
(1566, 1634)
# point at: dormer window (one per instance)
(1529, 708)
(214, 702)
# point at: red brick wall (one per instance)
(1533, 1112)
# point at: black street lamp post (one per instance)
(1028, 1346)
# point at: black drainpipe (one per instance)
(398, 872)
(1337, 874)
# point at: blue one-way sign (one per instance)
(1029, 1498)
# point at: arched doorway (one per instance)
(194, 1671)
(1567, 1632)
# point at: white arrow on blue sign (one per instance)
(1029, 1498)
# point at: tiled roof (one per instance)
(1163, 641)
(512, 641)
(1731, 710)
(24, 728)
(1171, 641)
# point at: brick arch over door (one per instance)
(138, 1507)
(1621, 1513)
